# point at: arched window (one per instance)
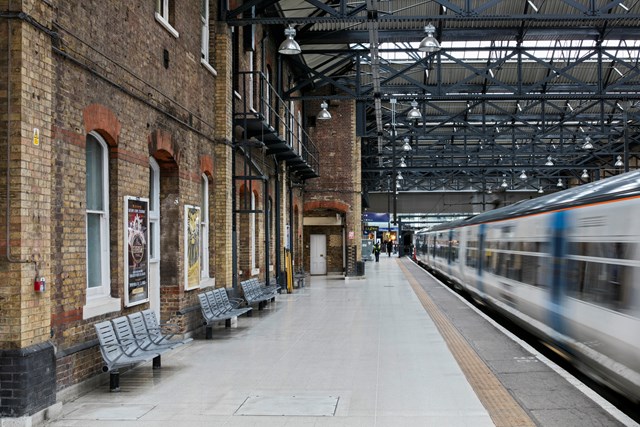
(99, 300)
(204, 227)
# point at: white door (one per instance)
(318, 254)
(154, 236)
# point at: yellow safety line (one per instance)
(502, 407)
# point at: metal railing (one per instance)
(260, 99)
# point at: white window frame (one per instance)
(204, 230)
(98, 299)
(154, 214)
(205, 38)
(162, 16)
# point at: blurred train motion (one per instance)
(565, 266)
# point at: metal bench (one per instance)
(117, 354)
(216, 306)
(256, 293)
(146, 328)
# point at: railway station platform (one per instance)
(395, 348)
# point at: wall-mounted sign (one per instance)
(191, 247)
(136, 264)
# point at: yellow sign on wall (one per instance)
(36, 136)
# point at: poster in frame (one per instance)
(191, 247)
(136, 250)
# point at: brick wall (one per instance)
(338, 189)
(142, 107)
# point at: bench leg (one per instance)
(208, 332)
(250, 313)
(260, 305)
(227, 323)
(156, 362)
(114, 380)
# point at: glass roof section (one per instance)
(549, 50)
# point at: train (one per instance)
(564, 266)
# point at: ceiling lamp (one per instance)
(414, 113)
(587, 143)
(584, 175)
(429, 43)
(504, 183)
(523, 175)
(406, 146)
(540, 190)
(560, 184)
(402, 163)
(549, 161)
(618, 162)
(324, 114)
(400, 177)
(289, 46)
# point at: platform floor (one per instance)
(392, 349)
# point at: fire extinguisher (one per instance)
(39, 285)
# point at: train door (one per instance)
(482, 231)
(558, 277)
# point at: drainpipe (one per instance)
(8, 173)
(278, 231)
(267, 230)
(291, 218)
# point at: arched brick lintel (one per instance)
(206, 164)
(326, 204)
(101, 119)
(159, 142)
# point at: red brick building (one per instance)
(157, 126)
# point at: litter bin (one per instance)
(359, 268)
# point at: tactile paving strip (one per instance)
(502, 407)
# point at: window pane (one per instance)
(95, 174)
(94, 259)
(152, 239)
(152, 190)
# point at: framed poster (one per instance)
(136, 253)
(191, 247)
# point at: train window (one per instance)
(600, 283)
(530, 246)
(472, 257)
(530, 267)
(615, 250)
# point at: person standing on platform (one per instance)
(376, 251)
(389, 247)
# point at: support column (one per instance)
(27, 359)
(223, 157)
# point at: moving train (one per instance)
(565, 266)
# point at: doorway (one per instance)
(318, 258)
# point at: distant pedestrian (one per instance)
(389, 247)
(376, 251)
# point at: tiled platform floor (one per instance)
(335, 353)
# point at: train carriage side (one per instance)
(565, 266)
